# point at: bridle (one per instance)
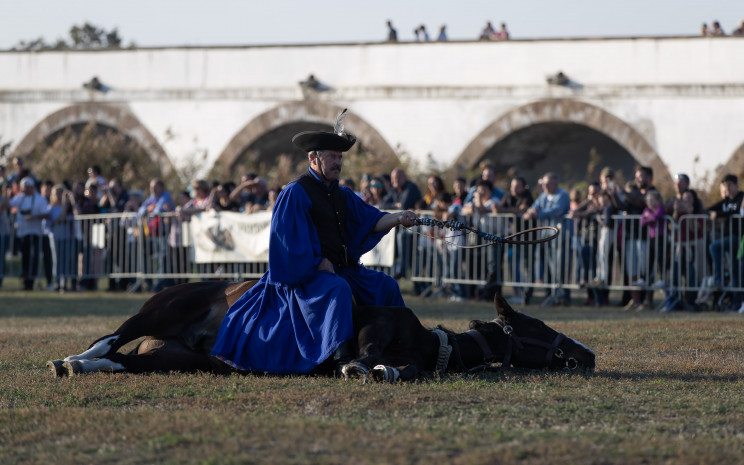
(516, 343)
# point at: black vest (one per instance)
(328, 213)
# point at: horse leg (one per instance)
(135, 327)
(165, 315)
(101, 347)
(150, 356)
(391, 374)
(371, 340)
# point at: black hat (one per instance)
(337, 141)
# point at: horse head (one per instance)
(533, 344)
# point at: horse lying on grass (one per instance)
(181, 324)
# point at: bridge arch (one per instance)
(567, 111)
(116, 116)
(317, 112)
(735, 165)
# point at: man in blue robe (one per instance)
(299, 313)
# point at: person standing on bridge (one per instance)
(299, 314)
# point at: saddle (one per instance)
(234, 291)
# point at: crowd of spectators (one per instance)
(420, 33)
(489, 32)
(715, 30)
(588, 218)
(39, 213)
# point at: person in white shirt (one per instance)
(31, 209)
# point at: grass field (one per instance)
(667, 389)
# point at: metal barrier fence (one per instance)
(132, 252)
(688, 259)
(685, 258)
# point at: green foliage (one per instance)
(87, 36)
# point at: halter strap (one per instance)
(482, 343)
(520, 342)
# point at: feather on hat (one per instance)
(337, 141)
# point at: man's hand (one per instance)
(407, 219)
(326, 265)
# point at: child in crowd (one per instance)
(604, 244)
(652, 219)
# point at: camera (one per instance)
(25, 212)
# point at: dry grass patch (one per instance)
(668, 389)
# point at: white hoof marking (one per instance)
(99, 349)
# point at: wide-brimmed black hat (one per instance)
(337, 141)
(319, 140)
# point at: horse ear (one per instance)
(502, 306)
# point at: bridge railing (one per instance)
(682, 257)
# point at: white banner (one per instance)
(228, 237)
(384, 252)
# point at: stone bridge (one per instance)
(675, 104)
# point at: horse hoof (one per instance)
(351, 370)
(73, 367)
(57, 368)
(385, 373)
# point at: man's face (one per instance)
(398, 178)
(642, 180)
(331, 163)
(516, 187)
(729, 189)
(681, 185)
(156, 188)
(488, 174)
(483, 192)
(549, 184)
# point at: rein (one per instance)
(490, 239)
(445, 350)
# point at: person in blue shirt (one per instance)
(299, 313)
(151, 210)
(550, 209)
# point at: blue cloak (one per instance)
(295, 317)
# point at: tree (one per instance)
(85, 37)
(68, 153)
(89, 36)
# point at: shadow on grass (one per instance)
(669, 376)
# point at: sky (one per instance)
(154, 23)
